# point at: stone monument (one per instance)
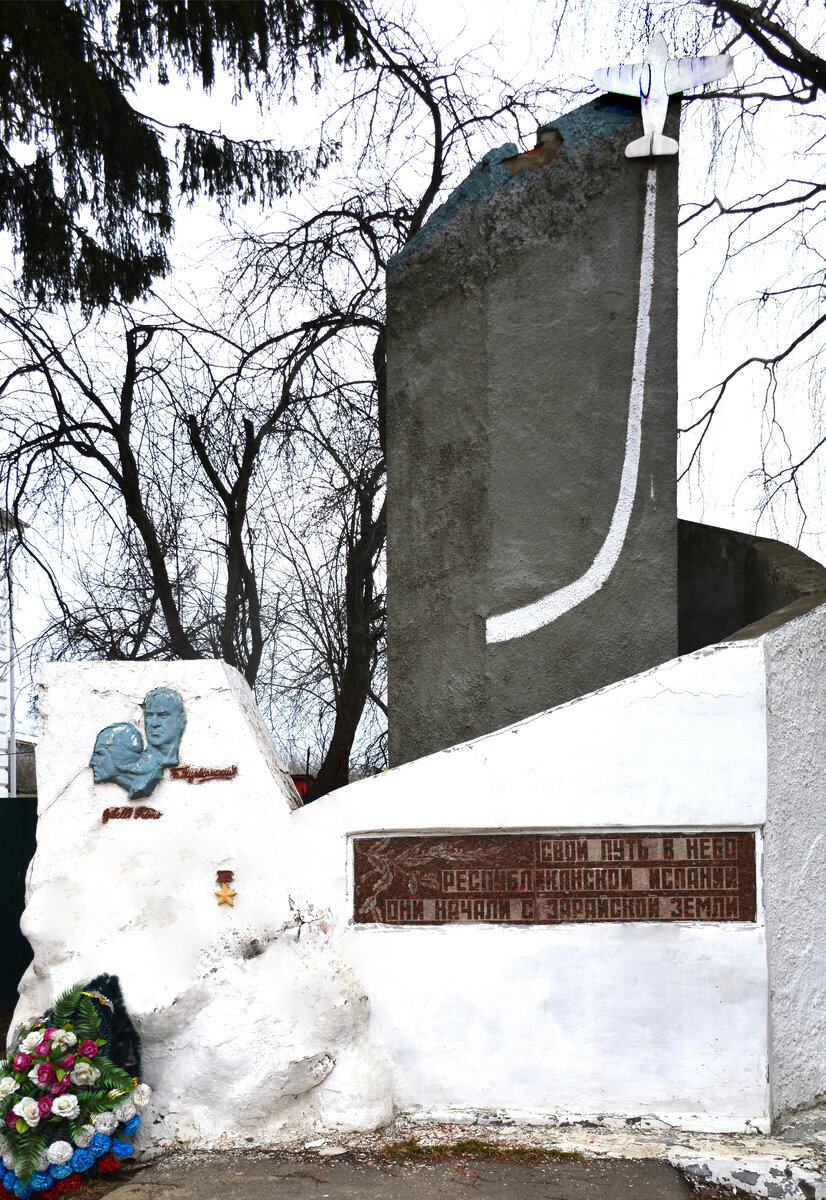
(610, 909)
(532, 526)
(440, 941)
(237, 992)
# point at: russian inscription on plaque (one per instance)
(550, 879)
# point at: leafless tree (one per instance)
(329, 670)
(779, 54)
(406, 109)
(146, 441)
(233, 466)
(767, 235)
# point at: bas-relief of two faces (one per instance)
(120, 757)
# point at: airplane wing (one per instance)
(624, 79)
(684, 73)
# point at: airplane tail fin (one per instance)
(651, 145)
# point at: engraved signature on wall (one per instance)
(142, 813)
(203, 774)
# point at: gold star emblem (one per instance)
(225, 895)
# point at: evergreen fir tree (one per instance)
(85, 187)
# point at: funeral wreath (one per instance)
(69, 1092)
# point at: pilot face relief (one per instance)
(119, 757)
(164, 720)
(117, 750)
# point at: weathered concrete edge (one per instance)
(600, 118)
(797, 608)
(762, 1165)
(764, 1177)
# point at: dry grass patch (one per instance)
(412, 1150)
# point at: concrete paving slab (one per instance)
(251, 1176)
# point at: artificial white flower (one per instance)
(65, 1106)
(125, 1112)
(41, 1162)
(8, 1161)
(141, 1094)
(64, 1039)
(84, 1074)
(60, 1152)
(7, 1086)
(83, 1136)
(105, 1123)
(28, 1110)
(30, 1041)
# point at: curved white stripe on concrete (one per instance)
(519, 621)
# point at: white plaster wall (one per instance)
(629, 1020)
(126, 875)
(795, 859)
(570, 1020)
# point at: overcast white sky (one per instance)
(517, 37)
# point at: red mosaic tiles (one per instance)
(550, 879)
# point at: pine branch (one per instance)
(111, 1075)
(28, 1150)
(66, 1003)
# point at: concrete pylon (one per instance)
(532, 385)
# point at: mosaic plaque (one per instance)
(551, 879)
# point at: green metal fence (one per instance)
(18, 824)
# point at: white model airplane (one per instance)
(654, 80)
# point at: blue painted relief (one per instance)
(119, 757)
(164, 720)
(119, 754)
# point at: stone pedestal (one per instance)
(532, 550)
(251, 1022)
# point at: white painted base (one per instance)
(566, 1120)
(574, 1021)
(280, 1016)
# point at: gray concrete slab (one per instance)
(512, 327)
(255, 1176)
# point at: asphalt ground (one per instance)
(336, 1174)
(257, 1176)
